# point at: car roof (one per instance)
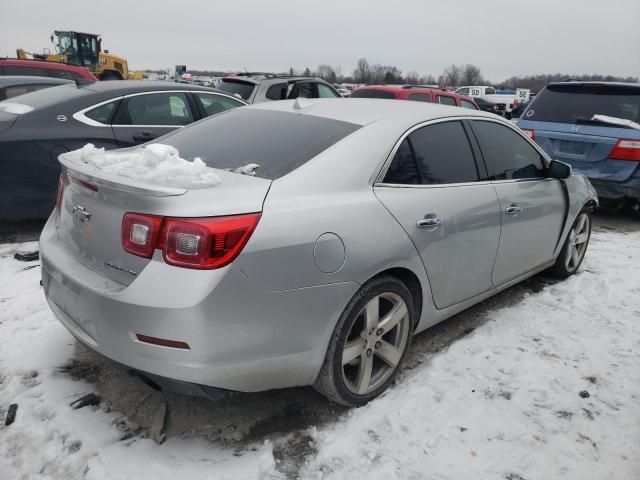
(589, 82)
(125, 87)
(256, 78)
(363, 111)
(9, 80)
(41, 64)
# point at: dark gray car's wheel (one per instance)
(369, 343)
(575, 246)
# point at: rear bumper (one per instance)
(617, 190)
(240, 337)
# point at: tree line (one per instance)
(452, 76)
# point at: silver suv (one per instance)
(264, 87)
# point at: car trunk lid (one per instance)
(89, 222)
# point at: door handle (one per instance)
(144, 136)
(429, 222)
(513, 210)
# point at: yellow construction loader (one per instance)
(83, 49)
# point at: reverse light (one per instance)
(200, 243)
(529, 133)
(626, 150)
(140, 233)
(60, 193)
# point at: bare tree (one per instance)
(471, 75)
(452, 76)
(412, 78)
(326, 72)
(362, 73)
(428, 80)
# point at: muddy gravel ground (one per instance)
(281, 416)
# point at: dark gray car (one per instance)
(35, 128)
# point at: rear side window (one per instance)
(489, 91)
(237, 87)
(445, 100)
(158, 109)
(214, 104)
(31, 71)
(50, 96)
(279, 142)
(277, 91)
(438, 154)
(507, 154)
(468, 104)
(17, 90)
(371, 93)
(103, 113)
(303, 89)
(419, 97)
(578, 103)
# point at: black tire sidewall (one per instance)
(348, 318)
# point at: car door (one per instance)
(145, 116)
(533, 207)
(432, 188)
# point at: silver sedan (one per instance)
(357, 224)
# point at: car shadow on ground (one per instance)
(281, 416)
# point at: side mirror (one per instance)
(558, 169)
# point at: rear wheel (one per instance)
(369, 343)
(575, 246)
(110, 75)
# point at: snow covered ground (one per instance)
(546, 388)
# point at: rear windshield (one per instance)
(371, 93)
(579, 103)
(49, 96)
(237, 87)
(279, 142)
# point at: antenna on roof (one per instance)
(245, 70)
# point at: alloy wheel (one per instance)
(578, 240)
(376, 343)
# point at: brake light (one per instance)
(140, 233)
(201, 243)
(529, 133)
(60, 193)
(626, 150)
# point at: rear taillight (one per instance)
(201, 243)
(140, 233)
(60, 194)
(529, 133)
(626, 150)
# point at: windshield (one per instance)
(578, 103)
(237, 87)
(372, 93)
(67, 44)
(268, 143)
(50, 96)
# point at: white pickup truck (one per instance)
(506, 103)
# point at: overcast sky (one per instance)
(502, 37)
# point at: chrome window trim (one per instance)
(82, 118)
(378, 179)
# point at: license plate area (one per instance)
(572, 147)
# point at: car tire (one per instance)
(575, 246)
(372, 336)
(110, 75)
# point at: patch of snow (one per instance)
(501, 403)
(248, 169)
(15, 108)
(613, 120)
(155, 163)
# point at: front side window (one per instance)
(20, 70)
(103, 113)
(463, 91)
(214, 104)
(326, 92)
(166, 108)
(507, 154)
(446, 100)
(419, 97)
(435, 154)
(489, 91)
(468, 104)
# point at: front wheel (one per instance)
(368, 344)
(575, 246)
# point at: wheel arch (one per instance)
(412, 282)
